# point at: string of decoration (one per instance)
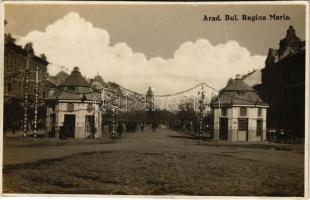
(139, 95)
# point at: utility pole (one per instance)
(113, 107)
(36, 102)
(127, 109)
(26, 92)
(113, 123)
(201, 109)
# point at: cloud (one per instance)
(72, 41)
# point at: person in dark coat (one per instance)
(142, 126)
(119, 129)
(62, 133)
(196, 127)
(110, 128)
(93, 131)
(154, 126)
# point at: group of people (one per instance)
(153, 124)
(131, 126)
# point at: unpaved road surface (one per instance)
(150, 163)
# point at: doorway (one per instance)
(52, 130)
(259, 127)
(243, 124)
(69, 125)
(223, 128)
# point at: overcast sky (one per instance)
(167, 46)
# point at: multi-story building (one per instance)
(15, 64)
(52, 82)
(283, 85)
(253, 78)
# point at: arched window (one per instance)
(243, 111)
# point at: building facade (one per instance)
(238, 113)
(253, 78)
(75, 108)
(16, 60)
(283, 85)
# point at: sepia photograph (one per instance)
(157, 99)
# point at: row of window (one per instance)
(243, 126)
(70, 107)
(18, 87)
(242, 112)
(15, 64)
(294, 76)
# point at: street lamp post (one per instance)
(26, 93)
(201, 95)
(36, 102)
(113, 123)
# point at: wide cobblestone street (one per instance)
(152, 163)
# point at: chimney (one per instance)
(76, 69)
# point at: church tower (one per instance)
(149, 100)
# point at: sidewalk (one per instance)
(256, 145)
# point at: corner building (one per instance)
(239, 114)
(73, 106)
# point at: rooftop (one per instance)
(75, 79)
(74, 87)
(237, 92)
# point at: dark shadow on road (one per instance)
(32, 165)
(190, 137)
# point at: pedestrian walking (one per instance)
(14, 126)
(195, 127)
(154, 126)
(127, 126)
(110, 128)
(93, 131)
(119, 129)
(142, 126)
(62, 132)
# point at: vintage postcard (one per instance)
(159, 99)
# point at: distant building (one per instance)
(72, 106)
(98, 83)
(283, 85)
(52, 82)
(61, 76)
(115, 96)
(253, 78)
(238, 113)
